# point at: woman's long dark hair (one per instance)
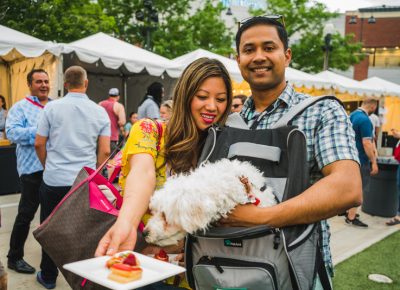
(182, 137)
(156, 91)
(4, 102)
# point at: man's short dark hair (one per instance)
(257, 20)
(242, 98)
(29, 77)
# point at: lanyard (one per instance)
(34, 103)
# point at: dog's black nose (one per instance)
(145, 233)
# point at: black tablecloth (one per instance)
(9, 180)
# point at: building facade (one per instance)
(378, 28)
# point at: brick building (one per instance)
(378, 28)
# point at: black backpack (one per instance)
(260, 257)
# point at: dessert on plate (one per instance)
(125, 267)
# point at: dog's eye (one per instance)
(263, 188)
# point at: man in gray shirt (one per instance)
(70, 132)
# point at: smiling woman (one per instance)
(202, 97)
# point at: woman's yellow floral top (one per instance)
(144, 138)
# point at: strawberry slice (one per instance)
(122, 267)
(130, 260)
(162, 254)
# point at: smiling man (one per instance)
(263, 55)
(21, 127)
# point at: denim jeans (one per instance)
(28, 205)
(50, 196)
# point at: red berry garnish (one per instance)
(130, 260)
(162, 254)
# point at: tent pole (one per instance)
(9, 90)
(60, 77)
(125, 93)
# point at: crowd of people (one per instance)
(56, 138)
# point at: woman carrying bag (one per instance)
(202, 97)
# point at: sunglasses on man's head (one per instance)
(276, 17)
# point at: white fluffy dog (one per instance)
(188, 203)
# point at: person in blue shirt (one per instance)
(364, 131)
(73, 132)
(21, 127)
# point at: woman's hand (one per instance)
(120, 237)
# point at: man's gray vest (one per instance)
(260, 257)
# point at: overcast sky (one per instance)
(346, 5)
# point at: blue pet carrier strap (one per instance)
(260, 151)
(299, 108)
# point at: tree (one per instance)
(307, 18)
(133, 31)
(177, 32)
(56, 20)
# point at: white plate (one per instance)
(96, 271)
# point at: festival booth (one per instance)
(381, 196)
(111, 62)
(19, 53)
(391, 101)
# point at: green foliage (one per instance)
(133, 31)
(306, 19)
(56, 20)
(381, 258)
(208, 31)
(177, 32)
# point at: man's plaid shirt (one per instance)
(328, 132)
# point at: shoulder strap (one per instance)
(209, 145)
(299, 108)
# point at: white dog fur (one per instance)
(188, 203)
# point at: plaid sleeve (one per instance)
(334, 139)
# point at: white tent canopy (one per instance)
(181, 62)
(115, 53)
(345, 84)
(388, 87)
(15, 45)
(299, 79)
(20, 53)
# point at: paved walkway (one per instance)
(346, 241)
